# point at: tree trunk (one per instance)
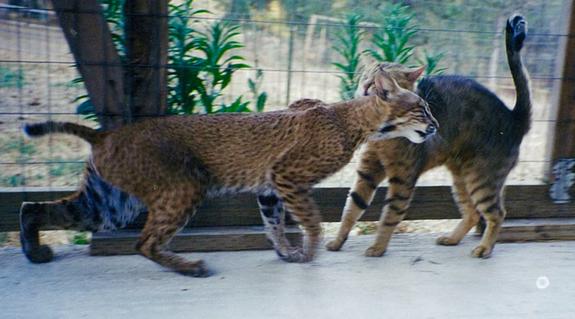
(146, 29)
(98, 62)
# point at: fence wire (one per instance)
(295, 53)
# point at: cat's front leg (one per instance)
(273, 217)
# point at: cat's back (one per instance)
(462, 104)
(452, 93)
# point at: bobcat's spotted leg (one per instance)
(166, 216)
(369, 174)
(469, 215)
(399, 195)
(297, 200)
(61, 214)
(273, 216)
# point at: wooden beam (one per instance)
(98, 62)
(537, 229)
(254, 238)
(146, 28)
(564, 144)
(435, 202)
(192, 240)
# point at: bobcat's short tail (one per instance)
(88, 134)
(515, 34)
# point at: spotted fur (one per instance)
(171, 164)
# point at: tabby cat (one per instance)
(478, 141)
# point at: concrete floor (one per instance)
(416, 279)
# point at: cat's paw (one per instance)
(40, 255)
(374, 251)
(297, 255)
(446, 241)
(481, 251)
(195, 269)
(334, 245)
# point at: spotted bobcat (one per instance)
(478, 141)
(169, 165)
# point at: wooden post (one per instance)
(91, 44)
(564, 145)
(563, 154)
(146, 28)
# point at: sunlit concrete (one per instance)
(415, 279)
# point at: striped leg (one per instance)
(469, 215)
(399, 195)
(486, 192)
(296, 196)
(273, 216)
(369, 174)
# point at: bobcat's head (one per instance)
(408, 115)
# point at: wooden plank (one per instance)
(433, 202)
(192, 240)
(540, 229)
(564, 137)
(253, 237)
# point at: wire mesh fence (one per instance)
(291, 42)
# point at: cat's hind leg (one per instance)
(167, 214)
(486, 192)
(469, 215)
(66, 213)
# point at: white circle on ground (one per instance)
(542, 282)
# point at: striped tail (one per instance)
(515, 34)
(86, 133)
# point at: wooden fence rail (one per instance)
(234, 223)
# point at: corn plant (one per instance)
(219, 65)
(347, 45)
(202, 61)
(431, 61)
(184, 73)
(114, 16)
(255, 87)
(392, 43)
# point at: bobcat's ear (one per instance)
(415, 74)
(384, 84)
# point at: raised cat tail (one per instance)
(515, 34)
(88, 134)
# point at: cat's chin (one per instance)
(412, 136)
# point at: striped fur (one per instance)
(478, 140)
